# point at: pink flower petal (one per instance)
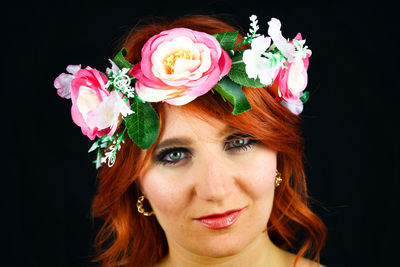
(73, 69)
(207, 85)
(225, 63)
(154, 84)
(63, 85)
(87, 92)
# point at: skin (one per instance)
(214, 175)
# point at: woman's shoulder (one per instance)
(303, 262)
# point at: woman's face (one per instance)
(201, 169)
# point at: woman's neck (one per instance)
(261, 252)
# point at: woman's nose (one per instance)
(213, 180)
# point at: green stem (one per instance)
(237, 62)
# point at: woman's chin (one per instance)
(219, 249)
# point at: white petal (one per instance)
(106, 113)
(124, 109)
(253, 17)
(148, 94)
(266, 74)
(297, 78)
(73, 69)
(98, 161)
(63, 85)
(260, 44)
(249, 60)
(86, 100)
(274, 29)
(93, 147)
(294, 108)
(114, 68)
(182, 100)
(281, 43)
(185, 65)
(178, 43)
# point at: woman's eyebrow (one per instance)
(176, 141)
(185, 141)
(228, 130)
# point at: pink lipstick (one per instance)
(221, 220)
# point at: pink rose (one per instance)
(95, 109)
(292, 81)
(179, 65)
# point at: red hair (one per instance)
(131, 239)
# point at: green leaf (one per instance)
(304, 97)
(234, 94)
(143, 125)
(120, 60)
(238, 73)
(238, 57)
(226, 39)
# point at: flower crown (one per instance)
(177, 66)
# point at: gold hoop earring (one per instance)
(140, 208)
(278, 178)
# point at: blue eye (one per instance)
(174, 156)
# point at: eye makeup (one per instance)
(239, 142)
(239, 145)
(236, 142)
(173, 155)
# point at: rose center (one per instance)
(170, 59)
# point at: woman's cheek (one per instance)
(258, 174)
(164, 193)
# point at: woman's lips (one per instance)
(220, 221)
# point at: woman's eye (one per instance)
(239, 144)
(172, 156)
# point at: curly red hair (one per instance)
(131, 239)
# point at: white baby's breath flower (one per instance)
(130, 93)
(254, 24)
(253, 27)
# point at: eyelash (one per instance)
(164, 153)
(246, 146)
(160, 158)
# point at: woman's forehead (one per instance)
(184, 123)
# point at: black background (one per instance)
(352, 148)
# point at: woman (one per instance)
(212, 188)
